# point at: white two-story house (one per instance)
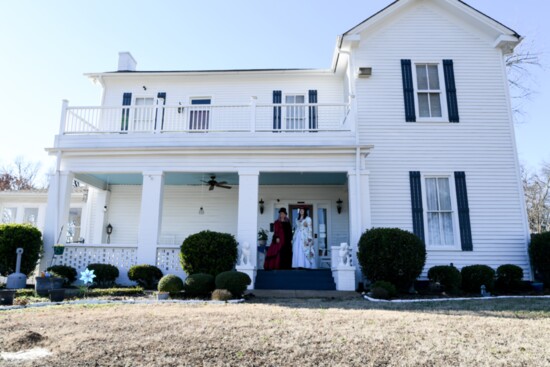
(410, 127)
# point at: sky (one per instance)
(47, 46)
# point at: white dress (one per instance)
(303, 255)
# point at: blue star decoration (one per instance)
(87, 276)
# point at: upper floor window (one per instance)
(199, 115)
(144, 113)
(295, 112)
(428, 91)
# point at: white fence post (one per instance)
(64, 105)
(253, 101)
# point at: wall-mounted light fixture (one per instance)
(105, 208)
(339, 206)
(109, 230)
(144, 88)
(261, 202)
(201, 211)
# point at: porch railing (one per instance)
(206, 118)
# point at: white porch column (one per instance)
(57, 214)
(150, 218)
(247, 226)
(101, 198)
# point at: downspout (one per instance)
(351, 88)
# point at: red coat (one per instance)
(277, 254)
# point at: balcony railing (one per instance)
(206, 118)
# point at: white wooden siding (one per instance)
(481, 145)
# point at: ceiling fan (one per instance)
(213, 183)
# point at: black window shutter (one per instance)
(126, 101)
(312, 110)
(160, 95)
(416, 203)
(450, 87)
(408, 90)
(463, 212)
(277, 98)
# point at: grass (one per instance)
(285, 332)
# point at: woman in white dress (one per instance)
(303, 255)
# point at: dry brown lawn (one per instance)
(284, 333)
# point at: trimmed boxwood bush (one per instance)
(25, 236)
(383, 290)
(105, 274)
(474, 276)
(199, 285)
(391, 254)
(509, 278)
(147, 276)
(208, 252)
(234, 281)
(446, 275)
(64, 271)
(170, 283)
(539, 251)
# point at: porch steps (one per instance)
(314, 279)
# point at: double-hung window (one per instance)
(295, 112)
(440, 212)
(429, 96)
(144, 113)
(199, 114)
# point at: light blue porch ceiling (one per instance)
(232, 178)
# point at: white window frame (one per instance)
(196, 108)
(305, 105)
(135, 113)
(443, 92)
(454, 206)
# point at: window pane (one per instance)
(290, 99)
(300, 99)
(433, 229)
(31, 216)
(144, 101)
(421, 77)
(433, 76)
(444, 194)
(431, 193)
(8, 215)
(423, 105)
(435, 105)
(447, 223)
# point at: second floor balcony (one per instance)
(207, 118)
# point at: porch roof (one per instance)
(232, 178)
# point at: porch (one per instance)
(151, 214)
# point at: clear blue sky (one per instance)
(47, 46)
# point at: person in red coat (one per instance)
(279, 254)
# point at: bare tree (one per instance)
(521, 67)
(537, 197)
(20, 175)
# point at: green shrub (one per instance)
(509, 278)
(391, 254)
(170, 283)
(64, 271)
(208, 252)
(105, 274)
(446, 275)
(25, 236)
(199, 285)
(115, 292)
(147, 276)
(221, 295)
(539, 251)
(234, 281)
(383, 290)
(474, 276)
